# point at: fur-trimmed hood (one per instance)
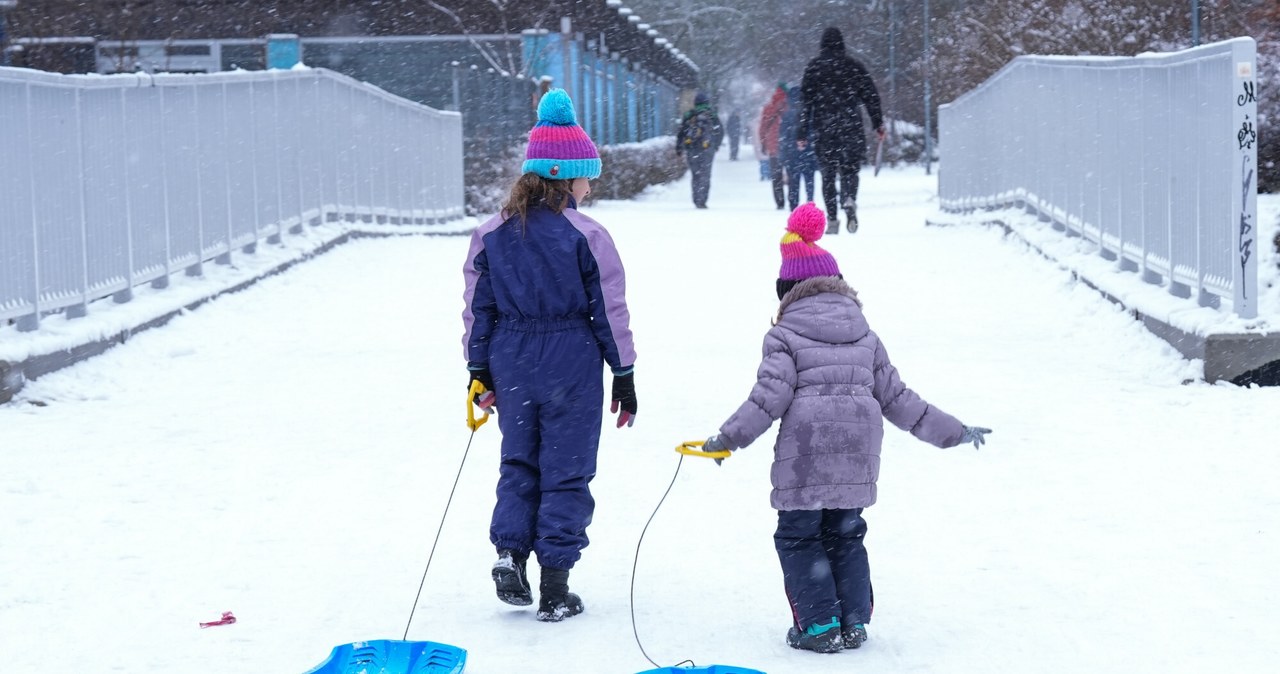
(823, 308)
(818, 284)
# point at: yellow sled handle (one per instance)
(690, 448)
(472, 422)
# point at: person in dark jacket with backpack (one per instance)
(834, 86)
(545, 310)
(699, 138)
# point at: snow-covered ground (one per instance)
(285, 453)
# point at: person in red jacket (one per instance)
(770, 124)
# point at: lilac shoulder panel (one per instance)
(613, 282)
(471, 276)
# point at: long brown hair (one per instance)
(532, 189)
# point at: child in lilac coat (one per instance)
(827, 376)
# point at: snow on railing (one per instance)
(109, 182)
(1152, 157)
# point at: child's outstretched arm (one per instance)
(770, 397)
(908, 411)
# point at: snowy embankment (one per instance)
(1081, 256)
(108, 320)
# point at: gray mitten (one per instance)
(976, 435)
(715, 444)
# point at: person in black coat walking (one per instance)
(834, 85)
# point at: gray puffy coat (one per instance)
(829, 379)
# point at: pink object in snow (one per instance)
(228, 618)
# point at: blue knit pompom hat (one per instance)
(558, 148)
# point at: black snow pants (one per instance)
(824, 565)
(839, 159)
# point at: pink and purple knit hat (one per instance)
(558, 148)
(801, 256)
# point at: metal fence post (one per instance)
(633, 103)
(928, 96)
(566, 55)
(31, 321)
(611, 67)
(296, 125)
(197, 268)
(277, 152)
(602, 95)
(162, 281)
(225, 257)
(457, 90)
(316, 139)
(126, 294)
(1245, 176)
(82, 309)
(588, 103)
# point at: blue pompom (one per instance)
(556, 108)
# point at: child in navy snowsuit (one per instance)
(545, 310)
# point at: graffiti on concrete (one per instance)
(1248, 96)
(1246, 136)
(1246, 223)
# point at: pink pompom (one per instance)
(808, 221)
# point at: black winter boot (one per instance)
(854, 635)
(817, 638)
(557, 602)
(510, 579)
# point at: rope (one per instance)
(437, 540)
(636, 563)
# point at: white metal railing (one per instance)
(110, 182)
(1152, 157)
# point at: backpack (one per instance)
(700, 131)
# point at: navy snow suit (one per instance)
(545, 309)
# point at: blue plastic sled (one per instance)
(710, 669)
(386, 656)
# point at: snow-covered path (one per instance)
(285, 453)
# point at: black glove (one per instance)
(479, 373)
(624, 396)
